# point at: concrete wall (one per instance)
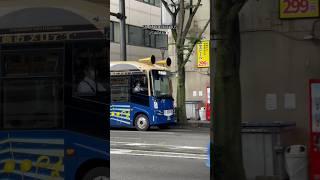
(276, 59)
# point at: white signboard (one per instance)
(271, 102)
(200, 93)
(289, 101)
(194, 93)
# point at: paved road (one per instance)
(159, 154)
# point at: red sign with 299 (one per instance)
(299, 8)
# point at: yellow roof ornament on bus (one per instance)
(152, 60)
(164, 62)
(149, 60)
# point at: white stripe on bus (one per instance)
(36, 141)
(120, 117)
(120, 120)
(128, 106)
(91, 148)
(48, 152)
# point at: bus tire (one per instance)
(141, 122)
(98, 173)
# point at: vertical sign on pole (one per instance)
(314, 146)
(203, 50)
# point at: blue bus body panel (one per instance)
(123, 114)
(120, 115)
(40, 154)
(160, 117)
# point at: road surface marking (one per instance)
(157, 154)
(142, 132)
(161, 145)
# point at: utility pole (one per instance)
(122, 17)
(123, 42)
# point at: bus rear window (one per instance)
(30, 97)
(31, 63)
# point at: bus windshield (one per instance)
(161, 83)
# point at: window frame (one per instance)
(151, 36)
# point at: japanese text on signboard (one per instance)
(299, 8)
(203, 54)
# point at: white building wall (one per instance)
(138, 14)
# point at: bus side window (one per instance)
(119, 88)
(140, 85)
(86, 74)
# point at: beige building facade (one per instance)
(277, 60)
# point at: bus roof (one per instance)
(134, 65)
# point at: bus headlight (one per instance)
(155, 105)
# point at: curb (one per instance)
(192, 124)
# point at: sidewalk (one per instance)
(193, 124)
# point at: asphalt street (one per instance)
(171, 154)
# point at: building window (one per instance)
(161, 41)
(116, 32)
(135, 36)
(151, 2)
(157, 3)
(111, 29)
(138, 36)
(119, 88)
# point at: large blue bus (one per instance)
(54, 105)
(141, 94)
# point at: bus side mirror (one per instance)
(153, 59)
(168, 61)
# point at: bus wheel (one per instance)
(98, 173)
(142, 122)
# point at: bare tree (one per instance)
(227, 163)
(184, 43)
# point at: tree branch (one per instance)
(174, 31)
(174, 5)
(195, 43)
(173, 17)
(188, 25)
(167, 7)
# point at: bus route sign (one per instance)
(298, 8)
(48, 36)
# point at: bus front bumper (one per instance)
(163, 120)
